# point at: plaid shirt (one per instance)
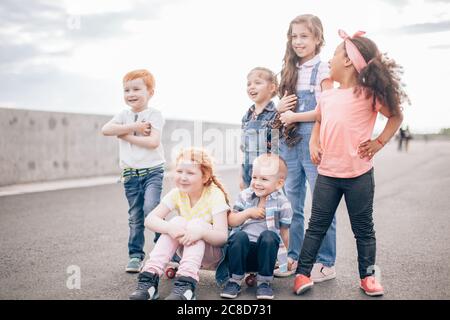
(278, 214)
(256, 138)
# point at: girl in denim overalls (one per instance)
(257, 122)
(303, 77)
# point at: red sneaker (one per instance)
(302, 284)
(371, 286)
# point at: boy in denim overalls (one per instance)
(257, 122)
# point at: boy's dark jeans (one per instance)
(143, 194)
(245, 256)
(358, 193)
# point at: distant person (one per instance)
(198, 231)
(407, 138)
(139, 131)
(401, 138)
(256, 138)
(346, 116)
(262, 215)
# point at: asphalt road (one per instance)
(47, 238)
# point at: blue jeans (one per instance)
(245, 256)
(358, 193)
(300, 170)
(143, 194)
(247, 174)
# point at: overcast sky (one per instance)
(72, 55)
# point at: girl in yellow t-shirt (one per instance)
(199, 229)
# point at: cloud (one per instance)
(28, 13)
(49, 88)
(29, 27)
(420, 28)
(440, 47)
(404, 3)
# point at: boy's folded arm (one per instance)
(115, 129)
(236, 218)
(149, 142)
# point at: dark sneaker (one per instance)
(231, 290)
(134, 265)
(147, 287)
(183, 289)
(264, 291)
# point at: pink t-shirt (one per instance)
(347, 120)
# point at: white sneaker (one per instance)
(321, 273)
(292, 266)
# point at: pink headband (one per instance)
(352, 51)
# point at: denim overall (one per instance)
(300, 170)
(256, 138)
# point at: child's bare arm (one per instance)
(289, 117)
(284, 233)
(326, 84)
(218, 235)
(114, 129)
(155, 222)
(394, 122)
(236, 218)
(150, 142)
(370, 147)
(155, 219)
(315, 148)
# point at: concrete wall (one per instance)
(43, 146)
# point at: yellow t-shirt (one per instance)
(211, 202)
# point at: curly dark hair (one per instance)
(381, 78)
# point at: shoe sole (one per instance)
(134, 270)
(304, 288)
(372, 294)
(284, 275)
(228, 296)
(193, 298)
(264, 297)
(322, 279)
(155, 297)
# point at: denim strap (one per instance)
(313, 79)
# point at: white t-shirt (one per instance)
(133, 156)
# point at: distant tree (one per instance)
(445, 131)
